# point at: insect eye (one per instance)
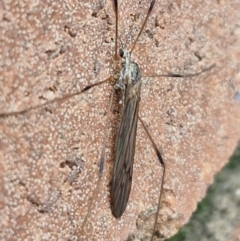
(121, 53)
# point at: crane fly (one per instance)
(128, 80)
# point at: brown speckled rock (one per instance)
(49, 156)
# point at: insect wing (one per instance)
(125, 149)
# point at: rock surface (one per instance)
(49, 156)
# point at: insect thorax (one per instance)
(130, 73)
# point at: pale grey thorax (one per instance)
(130, 73)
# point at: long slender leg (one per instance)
(163, 175)
(115, 7)
(103, 151)
(101, 166)
(102, 158)
(144, 23)
(185, 75)
(68, 96)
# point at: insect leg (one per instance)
(163, 175)
(144, 23)
(63, 98)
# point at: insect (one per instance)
(129, 81)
